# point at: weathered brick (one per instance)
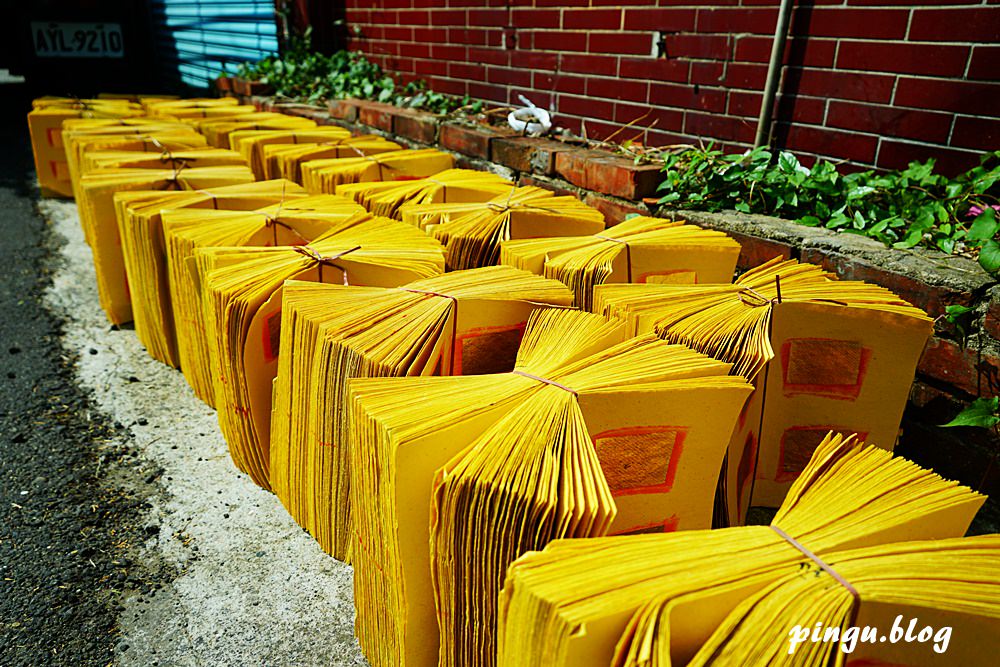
(621, 177)
(420, 127)
(894, 154)
(974, 372)
(887, 120)
(991, 321)
(755, 250)
(473, 141)
(528, 154)
(560, 188)
(614, 210)
(344, 109)
(931, 298)
(376, 114)
(977, 24)
(572, 165)
(975, 133)
(313, 112)
(965, 97)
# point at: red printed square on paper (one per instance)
(488, 350)
(640, 459)
(824, 367)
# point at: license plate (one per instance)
(77, 40)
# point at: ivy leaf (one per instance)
(742, 206)
(911, 239)
(989, 256)
(982, 412)
(984, 227)
(956, 310)
(859, 220)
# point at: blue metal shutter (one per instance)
(195, 40)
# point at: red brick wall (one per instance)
(877, 82)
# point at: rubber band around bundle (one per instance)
(856, 602)
(328, 260)
(546, 381)
(454, 320)
(628, 254)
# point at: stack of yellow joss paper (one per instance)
(285, 161)
(45, 121)
(324, 175)
(251, 143)
(473, 231)
(824, 354)
(657, 599)
(639, 250)
(242, 302)
(387, 198)
(98, 216)
(589, 434)
(156, 137)
(288, 222)
(460, 323)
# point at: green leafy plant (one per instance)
(305, 75)
(959, 317)
(903, 209)
(982, 412)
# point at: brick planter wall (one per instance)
(951, 372)
(878, 82)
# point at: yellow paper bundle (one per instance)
(627, 441)
(82, 104)
(285, 221)
(402, 431)
(82, 138)
(656, 599)
(188, 111)
(325, 175)
(918, 603)
(217, 130)
(169, 107)
(453, 185)
(615, 422)
(144, 249)
(639, 250)
(242, 301)
(472, 233)
(45, 122)
(285, 161)
(164, 158)
(97, 215)
(460, 323)
(251, 143)
(830, 355)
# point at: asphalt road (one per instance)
(66, 528)
(127, 537)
